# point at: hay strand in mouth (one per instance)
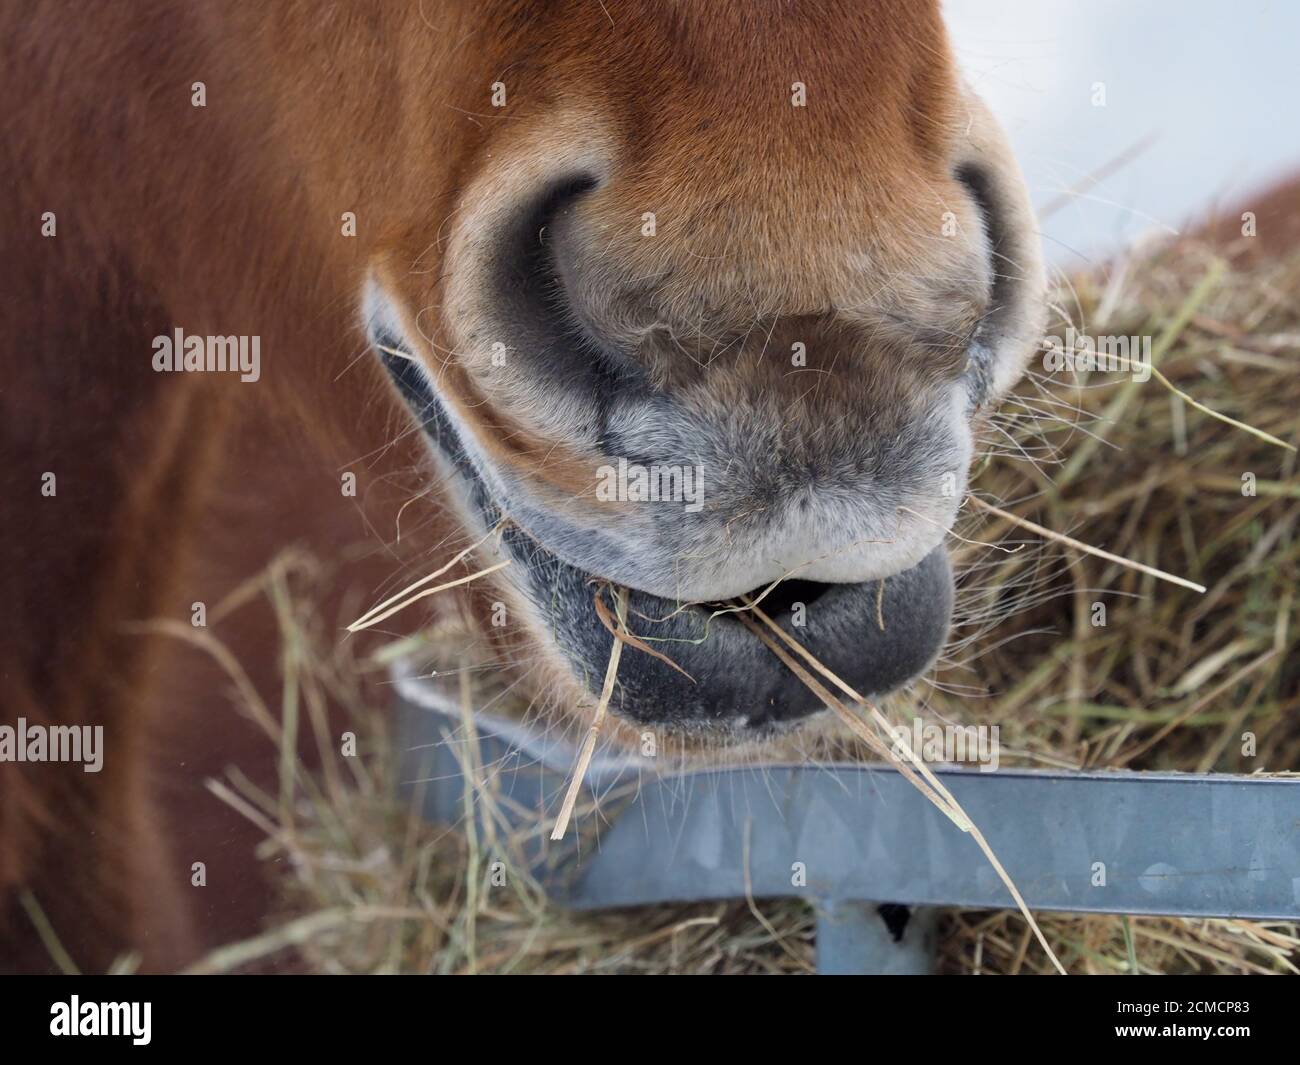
(936, 792)
(626, 636)
(404, 598)
(855, 723)
(593, 733)
(1079, 545)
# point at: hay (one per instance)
(1170, 681)
(408, 595)
(1079, 545)
(932, 788)
(598, 719)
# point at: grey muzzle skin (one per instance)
(736, 685)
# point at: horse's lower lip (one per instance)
(734, 681)
(728, 680)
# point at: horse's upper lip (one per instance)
(875, 638)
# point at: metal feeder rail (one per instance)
(860, 843)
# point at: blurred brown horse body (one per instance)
(171, 165)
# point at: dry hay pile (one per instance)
(1172, 680)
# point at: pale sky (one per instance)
(1214, 85)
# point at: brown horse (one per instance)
(688, 297)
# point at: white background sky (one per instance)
(1214, 83)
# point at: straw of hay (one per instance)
(1079, 545)
(399, 601)
(598, 719)
(944, 799)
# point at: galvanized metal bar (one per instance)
(1135, 843)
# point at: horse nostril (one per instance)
(979, 183)
(1012, 326)
(529, 273)
(532, 294)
